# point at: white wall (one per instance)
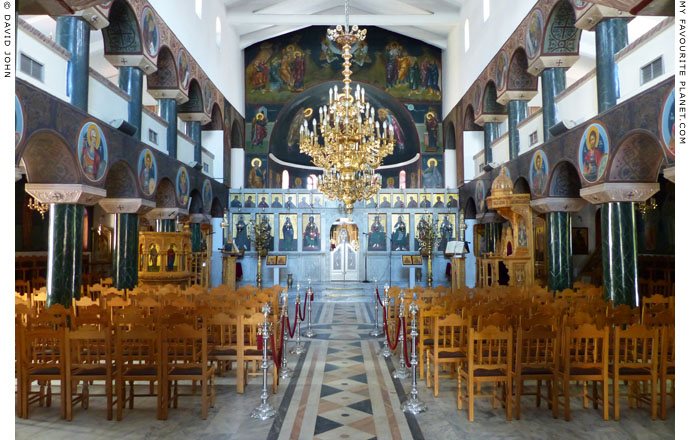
(500, 150)
(104, 103)
(536, 123)
(54, 64)
(185, 150)
(149, 123)
(237, 167)
(473, 143)
(460, 69)
(450, 167)
(212, 140)
(224, 66)
(579, 104)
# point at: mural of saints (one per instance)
(593, 156)
(182, 186)
(93, 152)
(259, 130)
(148, 172)
(386, 116)
(431, 176)
(241, 237)
(431, 125)
(377, 233)
(287, 239)
(311, 236)
(539, 172)
(256, 174)
(150, 31)
(401, 238)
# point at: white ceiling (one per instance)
(426, 20)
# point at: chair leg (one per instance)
(663, 397)
(204, 399)
(566, 397)
(131, 394)
(605, 384)
(509, 397)
(654, 396)
(555, 397)
(538, 393)
(435, 378)
(585, 402)
(120, 389)
(595, 394)
(616, 398)
(470, 398)
(428, 372)
(459, 392)
(109, 397)
(518, 394)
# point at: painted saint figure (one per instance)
(425, 203)
(452, 203)
(377, 237)
(312, 237)
(401, 240)
(398, 203)
(431, 124)
(446, 233)
(288, 236)
(171, 258)
(593, 156)
(92, 155)
(431, 176)
(241, 238)
(147, 173)
(235, 202)
(263, 203)
(256, 174)
(259, 130)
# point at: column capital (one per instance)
(199, 218)
(165, 213)
(558, 204)
(670, 173)
(65, 193)
(126, 206)
(619, 192)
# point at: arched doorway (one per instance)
(344, 262)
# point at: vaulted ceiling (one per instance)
(427, 20)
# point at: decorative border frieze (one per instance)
(65, 193)
(619, 192)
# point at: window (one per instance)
(285, 180)
(197, 8)
(467, 34)
(153, 136)
(533, 138)
(652, 70)
(31, 67)
(312, 181)
(206, 168)
(218, 32)
(402, 178)
(487, 9)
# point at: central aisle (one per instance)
(344, 390)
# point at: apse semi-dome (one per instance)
(284, 143)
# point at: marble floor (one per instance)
(341, 389)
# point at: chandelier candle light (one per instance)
(354, 143)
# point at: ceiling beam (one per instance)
(420, 34)
(329, 20)
(250, 38)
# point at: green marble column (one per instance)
(493, 236)
(131, 80)
(65, 242)
(168, 225)
(611, 37)
(490, 135)
(73, 33)
(559, 250)
(195, 134)
(552, 83)
(168, 111)
(619, 253)
(195, 229)
(517, 111)
(126, 251)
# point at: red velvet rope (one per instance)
(303, 314)
(259, 342)
(397, 332)
(291, 331)
(378, 298)
(407, 356)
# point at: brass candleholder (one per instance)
(260, 235)
(427, 231)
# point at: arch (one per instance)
(489, 103)
(166, 197)
(564, 180)
(122, 35)
(637, 158)
(196, 205)
(518, 76)
(285, 179)
(560, 35)
(470, 209)
(165, 77)
(196, 99)
(468, 121)
(216, 119)
(449, 136)
(521, 186)
(236, 135)
(121, 182)
(216, 208)
(49, 159)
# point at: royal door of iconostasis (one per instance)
(344, 246)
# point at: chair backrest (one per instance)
(450, 332)
(663, 318)
(668, 349)
(184, 344)
(89, 344)
(656, 300)
(250, 329)
(44, 339)
(636, 347)
(495, 319)
(623, 315)
(537, 347)
(136, 342)
(22, 286)
(490, 348)
(586, 346)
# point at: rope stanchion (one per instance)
(407, 356)
(393, 345)
(265, 410)
(299, 348)
(413, 405)
(402, 372)
(285, 370)
(385, 350)
(376, 332)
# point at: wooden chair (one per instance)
(224, 346)
(138, 358)
(449, 349)
(23, 287)
(536, 359)
(426, 329)
(635, 359)
(586, 358)
(655, 304)
(623, 315)
(90, 358)
(185, 357)
(43, 360)
(489, 359)
(668, 366)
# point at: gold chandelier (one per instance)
(354, 143)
